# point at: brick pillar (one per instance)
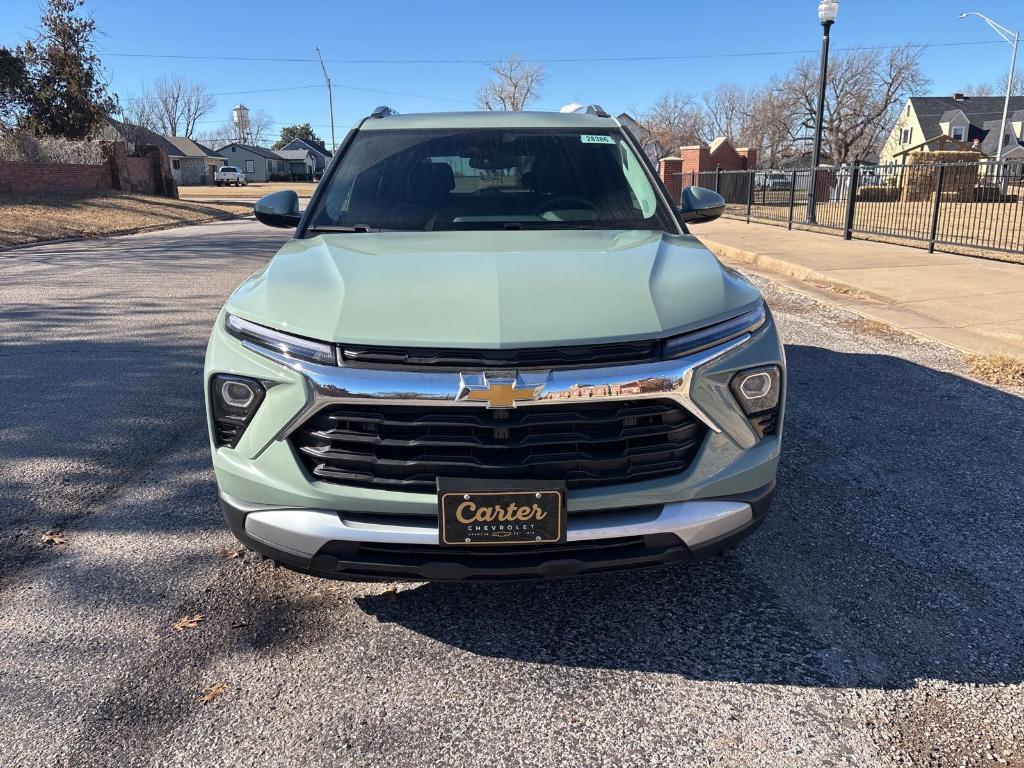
(696, 159)
(749, 157)
(115, 157)
(163, 180)
(668, 169)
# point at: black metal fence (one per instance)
(976, 205)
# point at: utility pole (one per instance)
(330, 98)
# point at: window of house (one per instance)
(905, 134)
(957, 132)
(177, 164)
(250, 166)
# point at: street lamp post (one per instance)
(1013, 38)
(827, 11)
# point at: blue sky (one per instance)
(353, 32)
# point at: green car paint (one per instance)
(493, 289)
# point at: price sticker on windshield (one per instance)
(589, 138)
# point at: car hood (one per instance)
(492, 289)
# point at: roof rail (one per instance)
(382, 111)
(596, 109)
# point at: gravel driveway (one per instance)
(875, 619)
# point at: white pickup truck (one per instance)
(229, 174)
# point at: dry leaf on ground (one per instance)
(188, 622)
(53, 538)
(229, 553)
(212, 692)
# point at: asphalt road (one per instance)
(876, 618)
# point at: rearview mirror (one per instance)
(700, 205)
(278, 209)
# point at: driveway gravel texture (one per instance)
(874, 620)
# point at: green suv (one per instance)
(492, 350)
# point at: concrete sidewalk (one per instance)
(974, 304)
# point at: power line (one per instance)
(581, 60)
(317, 85)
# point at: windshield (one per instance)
(490, 179)
(229, 169)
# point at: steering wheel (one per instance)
(564, 202)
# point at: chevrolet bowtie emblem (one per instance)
(496, 392)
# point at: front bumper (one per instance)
(352, 546)
(275, 507)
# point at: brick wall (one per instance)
(702, 158)
(40, 177)
(147, 175)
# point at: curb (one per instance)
(822, 288)
(123, 232)
(787, 269)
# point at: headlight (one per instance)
(284, 343)
(712, 336)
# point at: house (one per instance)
(653, 148)
(191, 162)
(320, 154)
(957, 122)
(257, 163)
(300, 164)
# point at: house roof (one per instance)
(990, 142)
(187, 148)
(984, 113)
(293, 154)
(137, 134)
(320, 149)
(261, 151)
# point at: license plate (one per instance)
(474, 512)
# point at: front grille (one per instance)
(576, 356)
(407, 448)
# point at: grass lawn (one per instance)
(255, 189)
(29, 217)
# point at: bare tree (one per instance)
(258, 130)
(774, 123)
(865, 90)
(981, 89)
(515, 84)
(673, 121)
(261, 125)
(180, 103)
(997, 87)
(139, 118)
(727, 112)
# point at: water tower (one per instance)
(240, 120)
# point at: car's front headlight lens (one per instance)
(713, 335)
(283, 343)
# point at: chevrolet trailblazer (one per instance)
(492, 350)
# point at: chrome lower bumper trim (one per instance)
(304, 531)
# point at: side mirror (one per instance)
(700, 205)
(278, 209)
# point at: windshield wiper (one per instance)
(343, 228)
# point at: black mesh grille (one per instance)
(586, 444)
(589, 355)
